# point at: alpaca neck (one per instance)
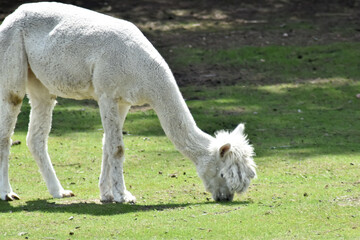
(178, 123)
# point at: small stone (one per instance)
(15, 143)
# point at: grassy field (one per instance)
(304, 122)
(279, 64)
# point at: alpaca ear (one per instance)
(239, 130)
(224, 149)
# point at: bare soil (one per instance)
(211, 24)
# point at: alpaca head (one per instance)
(230, 166)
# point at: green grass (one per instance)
(306, 136)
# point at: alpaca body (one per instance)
(51, 49)
(76, 53)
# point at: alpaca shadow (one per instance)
(101, 209)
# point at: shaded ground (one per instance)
(214, 24)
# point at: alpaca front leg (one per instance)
(112, 183)
(42, 104)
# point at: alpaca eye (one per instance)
(222, 175)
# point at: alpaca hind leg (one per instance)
(42, 104)
(112, 184)
(10, 104)
(13, 73)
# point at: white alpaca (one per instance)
(51, 49)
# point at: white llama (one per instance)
(52, 49)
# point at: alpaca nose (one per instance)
(224, 198)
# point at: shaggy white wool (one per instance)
(239, 143)
(236, 155)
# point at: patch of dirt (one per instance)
(344, 201)
(215, 24)
(72, 201)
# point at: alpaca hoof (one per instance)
(126, 198)
(11, 197)
(67, 193)
(131, 200)
(106, 199)
(63, 194)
